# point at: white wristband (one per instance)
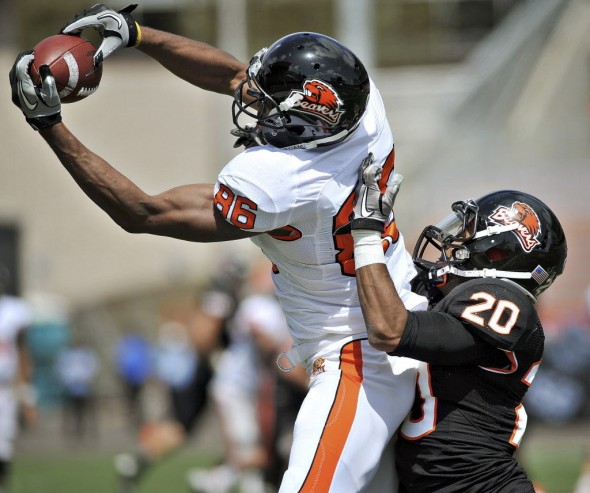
(368, 247)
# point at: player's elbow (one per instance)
(381, 341)
(385, 333)
(133, 223)
(130, 226)
(146, 216)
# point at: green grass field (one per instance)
(95, 474)
(556, 469)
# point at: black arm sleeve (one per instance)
(442, 339)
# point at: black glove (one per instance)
(40, 105)
(117, 28)
(371, 207)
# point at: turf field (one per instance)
(556, 467)
(95, 474)
(47, 462)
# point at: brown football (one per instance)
(70, 60)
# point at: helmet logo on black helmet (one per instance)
(319, 99)
(529, 225)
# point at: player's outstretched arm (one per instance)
(185, 212)
(198, 63)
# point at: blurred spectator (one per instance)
(243, 390)
(176, 366)
(16, 371)
(47, 336)
(184, 361)
(77, 367)
(134, 365)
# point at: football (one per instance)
(70, 60)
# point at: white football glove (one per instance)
(117, 28)
(371, 207)
(40, 105)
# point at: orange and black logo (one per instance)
(319, 99)
(525, 218)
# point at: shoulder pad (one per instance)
(492, 309)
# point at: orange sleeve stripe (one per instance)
(388, 168)
(339, 422)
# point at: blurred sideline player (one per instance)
(311, 104)
(244, 394)
(77, 367)
(480, 343)
(17, 395)
(189, 378)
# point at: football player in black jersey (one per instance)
(480, 343)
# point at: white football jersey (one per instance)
(307, 194)
(15, 316)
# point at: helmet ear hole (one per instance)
(496, 254)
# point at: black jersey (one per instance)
(479, 348)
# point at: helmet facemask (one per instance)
(444, 243)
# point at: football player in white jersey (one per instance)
(15, 374)
(310, 105)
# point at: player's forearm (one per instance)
(384, 312)
(184, 212)
(198, 63)
(120, 198)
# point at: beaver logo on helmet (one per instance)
(319, 99)
(528, 223)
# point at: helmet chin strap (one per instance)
(325, 141)
(291, 102)
(505, 274)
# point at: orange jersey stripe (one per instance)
(339, 422)
(388, 168)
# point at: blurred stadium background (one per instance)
(481, 95)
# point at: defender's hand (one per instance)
(40, 105)
(371, 207)
(117, 28)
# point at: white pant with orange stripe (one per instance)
(357, 399)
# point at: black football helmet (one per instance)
(308, 90)
(505, 234)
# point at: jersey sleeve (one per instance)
(252, 195)
(440, 339)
